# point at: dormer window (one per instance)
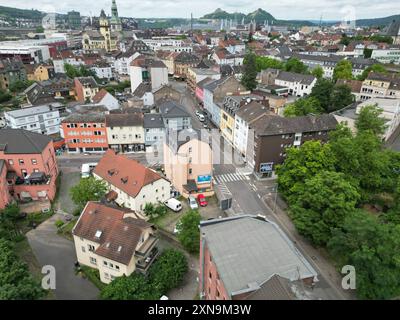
(98, 234)
(124, 180)
(111, 172)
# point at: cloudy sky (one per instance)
(282, 9)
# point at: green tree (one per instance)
(373, 249)
(295, 65)
(4, 96)
(133, 287)
(88, 189)
(168, 271)
(19, 85)
(302, 107)
(322, 91)
(378, 68)
(341, 97)
(250, 72)
(369, 119)
(188, 231)
(318, 72)
(343, 70)
(39, 29)
(321, 204)
(367, 53)
(16, 283)
(263, 63)
(302, 164)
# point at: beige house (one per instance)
(114, 241)
(125, 132)
(131, 184)
(188, 162)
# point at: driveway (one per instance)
(52, 249)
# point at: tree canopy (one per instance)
(188, 231)
(250, 72)
(343, 70)
(88, 189)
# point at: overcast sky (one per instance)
(282, 9)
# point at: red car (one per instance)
(201, 199)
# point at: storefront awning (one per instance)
(190, 186)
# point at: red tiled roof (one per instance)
(125, 174)
(117, 234)
(100, 95)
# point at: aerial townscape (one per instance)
(212, 156)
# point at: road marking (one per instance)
(230, 177)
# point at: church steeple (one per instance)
(116, 24)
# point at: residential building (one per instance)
(86, 89)
(354, 85)
(378, 85)
(11, 71)
(41, 72)
(215, 92)
(196, 75)
(154, 130)
(200, 89)
(103, 97)
(125, 132)
(123, 61)
(389, 55)
(174, 116)
(251, 258)
(115, 241)
(223, 57)
(299, 85)
(188, 162)
(229, 107)
(103, 70)
(244, 117)
(131, 184)
(327, 63)
(182, 62)
(31, 166)
(44, 119)
(85, 133)
(146, 70)
(272, 134)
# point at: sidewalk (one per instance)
(320, 262)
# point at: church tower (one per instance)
(116, 24)
(105, 29)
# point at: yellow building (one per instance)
(103, 39)
(40, 72)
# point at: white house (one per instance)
(147, 70)
(103, 97)
(299, 85)
(131, 184)
(44, 119)
(114, 241)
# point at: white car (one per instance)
(192, 203)
(197, 113)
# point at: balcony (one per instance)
(36, 178)
(147, 246)
(143, 263)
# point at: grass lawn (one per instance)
(25, 225)
(66, 230)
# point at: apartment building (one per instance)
(28, 166)
(148, 71)
(188, 162)
(125, 132)
(174, 116)
(251, 258)
(378, 85)
(85, 88)
(131, 184)
(114, 241)
(44, 119)
(299, 85)
(154, 130)
(85, 133)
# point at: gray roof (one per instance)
(213, 85)
(18, 141)
(153, 120)
(85, 117)
(248, 251)
(306, 79)
(170, 109)
(124, 120)
(274, 125)
(31, 111)
(252, 111)
(88, 81)
(393, 29)
(142, 89)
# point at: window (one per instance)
(83, 249)
(34, 161)
(190, 171)
(93, 260)
(91, 248)
(190, 149)
(105, 263)
(21, 161)
(10, 161)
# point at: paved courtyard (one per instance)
(52, 249)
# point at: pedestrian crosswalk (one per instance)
(230, 177)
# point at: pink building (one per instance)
(30, 164)
(249, 257)
(200, 89)
(188, 162)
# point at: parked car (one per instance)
(173, 204)
(202, 118)
(197, 113)
(192, 203)
(202, 200)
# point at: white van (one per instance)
(202, 118)
(87, 169)
(173, 204)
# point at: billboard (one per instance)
(204, 179)
(266, 167)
